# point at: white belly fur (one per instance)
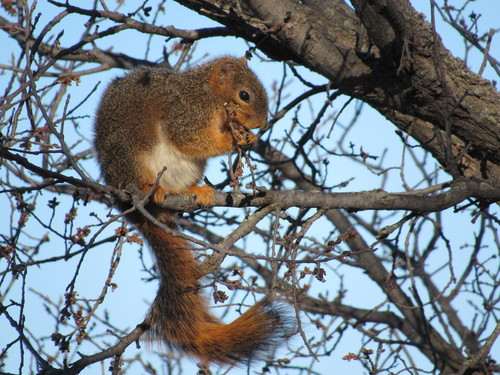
(182, 172)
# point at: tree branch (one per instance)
(412, 98)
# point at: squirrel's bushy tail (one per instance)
(180, 316)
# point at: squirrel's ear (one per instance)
(224, 74)
(244, 60)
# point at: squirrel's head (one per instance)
(241, 91)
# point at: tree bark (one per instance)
(405, 72)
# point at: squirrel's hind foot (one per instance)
(204, 194)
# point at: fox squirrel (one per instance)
(153, 118)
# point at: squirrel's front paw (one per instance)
(245, 138)
(204, 194)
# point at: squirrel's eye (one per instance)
(245, 96)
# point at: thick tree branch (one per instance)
(367, 200)
(420, 202)
(402, 82)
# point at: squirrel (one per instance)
(153, 118)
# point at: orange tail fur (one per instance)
(180, 314)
